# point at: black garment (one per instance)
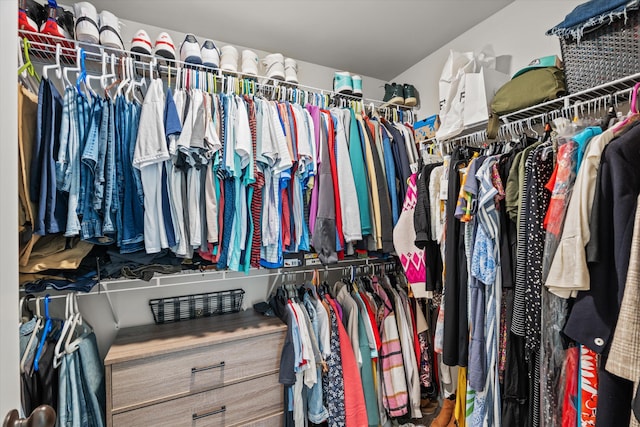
(400, 158)
(383, 195)
(539, 173)
(287, 359)
(422, 212)
(508, 231)
(456, 334)
(515, 388)
(41, 387)
(421, 217)
(594, 315)
(422, 226)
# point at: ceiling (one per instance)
(376, 38)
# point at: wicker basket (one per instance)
(608, 53)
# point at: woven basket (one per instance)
(608, 53)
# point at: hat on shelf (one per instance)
(545, 61)
(229, 58)
(86, 22)
(249, 63)
(110, 30)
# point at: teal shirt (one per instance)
(356, 156)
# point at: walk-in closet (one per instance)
(301, 214)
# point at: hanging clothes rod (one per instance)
(43, 48)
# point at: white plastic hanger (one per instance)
(57, 66)
(71, 346)
(59, 352)
(75, 69)
(32, 339)
(125, 76)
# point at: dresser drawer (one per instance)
(236, 404)
(274, 420)
(184, 372)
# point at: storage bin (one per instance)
(607, 53)
(186, 307)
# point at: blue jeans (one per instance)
(51, 214)
(132, 207)
(91, 225)
(110, 185)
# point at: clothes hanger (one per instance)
(48, 326)
(32, 339)
(28, 65)
(133, 83)
(25, 312)
(59, 352)
(71, 346)
(633, 109)
(106, 76)
(57, 66)
(100, 77)
(126, 77)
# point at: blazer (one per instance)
(595, 313)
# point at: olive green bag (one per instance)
(528, 89)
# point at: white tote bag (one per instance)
(480, 88)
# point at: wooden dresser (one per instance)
(217, 371)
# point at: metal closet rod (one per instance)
(44, 46)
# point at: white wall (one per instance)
(314, 75)
(9, 371)
(518, 30)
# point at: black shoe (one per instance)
(393, 94)
(410, 95)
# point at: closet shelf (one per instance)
(43, 49)
(191, 277)
(589, 99)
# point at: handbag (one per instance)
(528, 89)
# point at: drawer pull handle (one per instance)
(208, 414)
(207, 368)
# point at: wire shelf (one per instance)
(43, 49)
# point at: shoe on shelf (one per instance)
(31, 15)
(410, 95)
(274, 66)
(229, 58)
(87, 29)
(357, 85)
(210, 55)
(190, 50)
(53, 25)
(290, 70)
(110, 31)
(249, 63)
(393, 94)
(141, 43)
(165, 47)
(342, 83)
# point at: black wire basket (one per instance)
(186, 307)
(607, 53)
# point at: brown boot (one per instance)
(446, 413)
(428, 406)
